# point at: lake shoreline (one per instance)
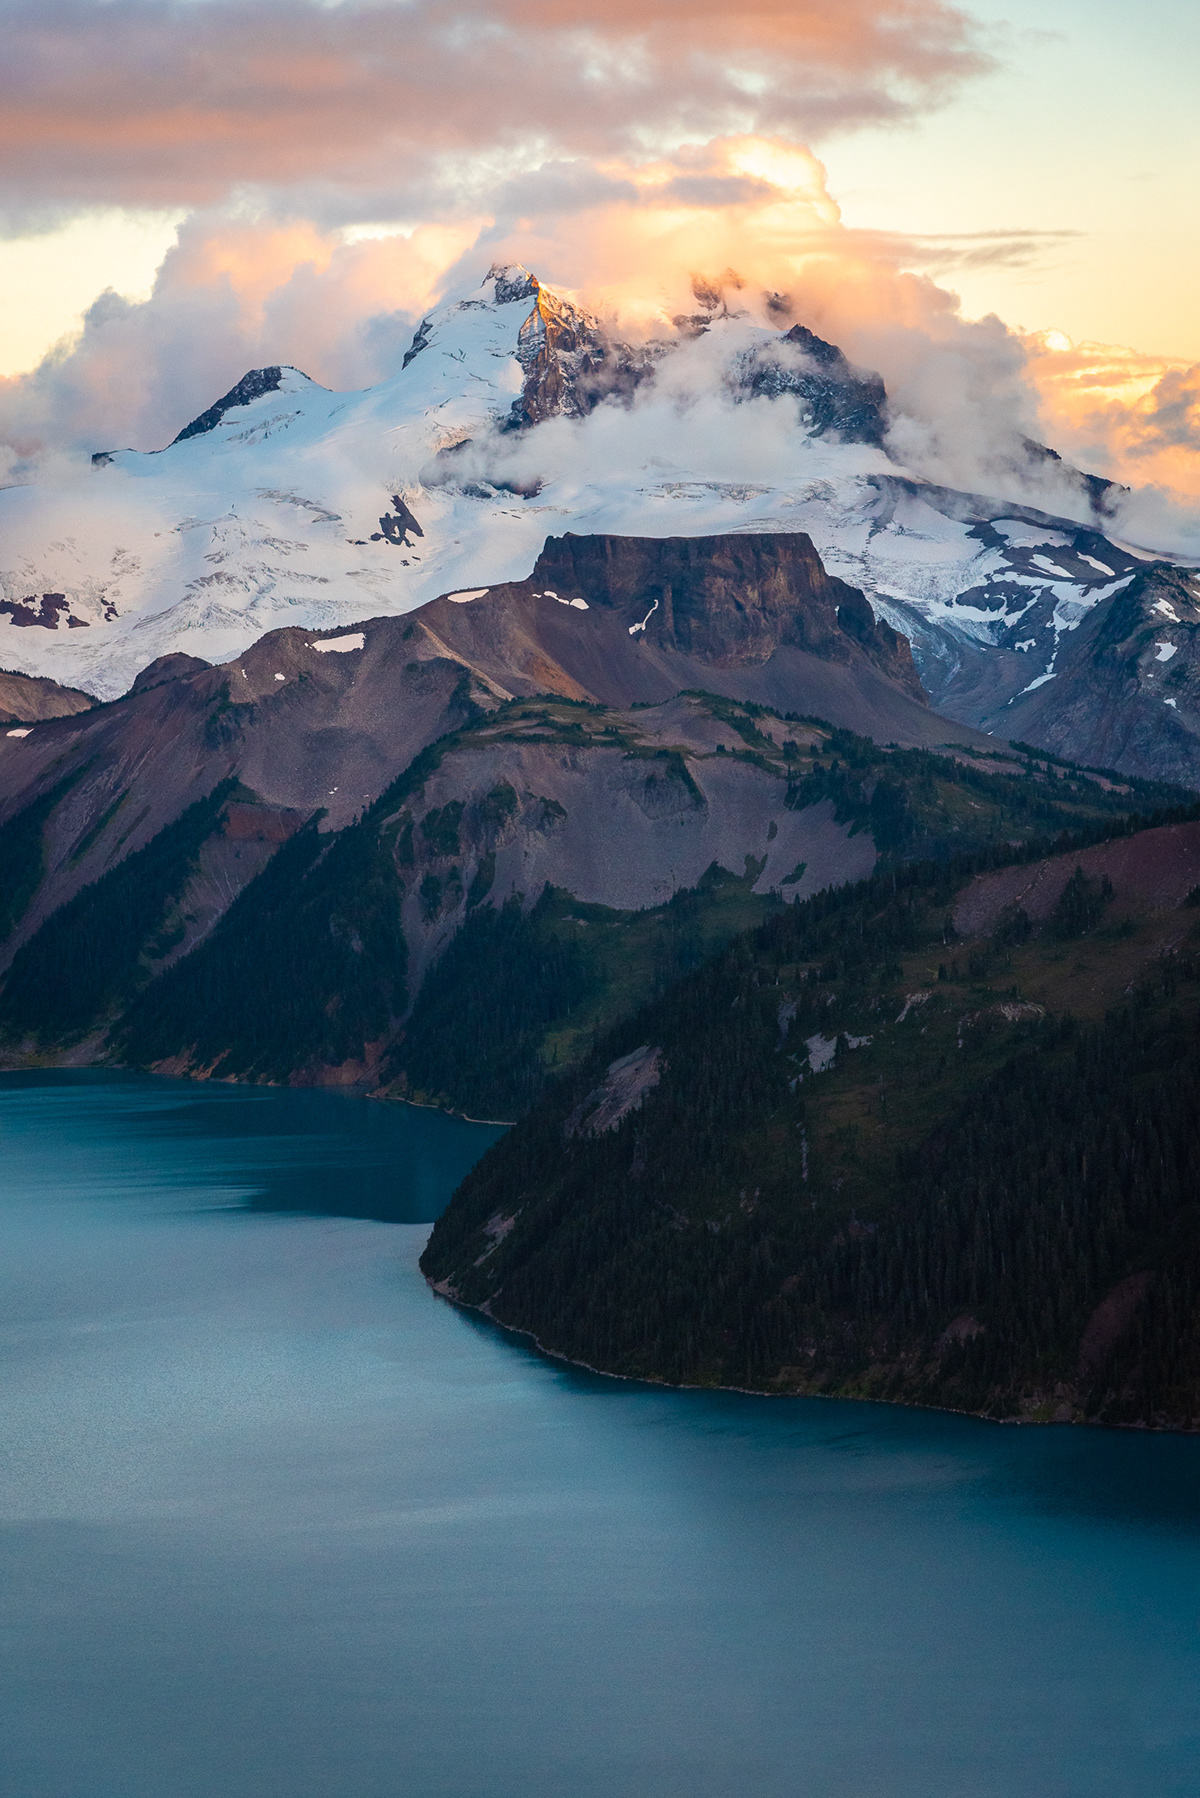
(439, 1287)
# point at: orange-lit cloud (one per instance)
(231, 295)
(1136, 417)
(373, 102)
(627, 236)
(236, 293)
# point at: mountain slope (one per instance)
(288, 504)
(300, 726)
(619, 846)
(308, 722)
(26, 699)
(930, 1139)
(1124, 690)
(638, 619)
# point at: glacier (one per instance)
(290, 504)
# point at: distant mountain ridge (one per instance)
(284, 503)
(636, 720)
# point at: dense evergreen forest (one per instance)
(877, 1162)
(88, 957)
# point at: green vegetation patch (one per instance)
(524, 993)
(88, 957)
(22, 854)
(877, 1163)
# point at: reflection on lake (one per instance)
(277, 1523)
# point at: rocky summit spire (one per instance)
(513, 282)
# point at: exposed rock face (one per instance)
(617, 822)
(513, 282)
(252, 386)
(45, 610)
(626, 1083)
(26, 698)
(732, 601)
(397, 526)
(835, 397)
(1125, 690)
(570, 363)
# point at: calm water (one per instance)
(277, 1523)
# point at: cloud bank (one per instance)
(617, 154)
(377, 108)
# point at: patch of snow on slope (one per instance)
(342, 645)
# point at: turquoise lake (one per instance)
(276, 1522)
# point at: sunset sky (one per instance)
(252, 180)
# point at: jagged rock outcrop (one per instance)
(252, 386)
(570, 362)
(835, 398)
(1124, 691)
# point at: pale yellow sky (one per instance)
(47, 282)
(1090, 127)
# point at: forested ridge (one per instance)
(879, 1162)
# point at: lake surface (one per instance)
(275, 1522)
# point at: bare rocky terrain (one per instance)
(29, 698)
(324, 721)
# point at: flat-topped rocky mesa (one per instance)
(636, 619)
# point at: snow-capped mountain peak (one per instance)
(517, 415)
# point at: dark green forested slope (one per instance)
(306, 968)
(521, 993)
(90, 955)
(22, 853)
(989, 1197)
